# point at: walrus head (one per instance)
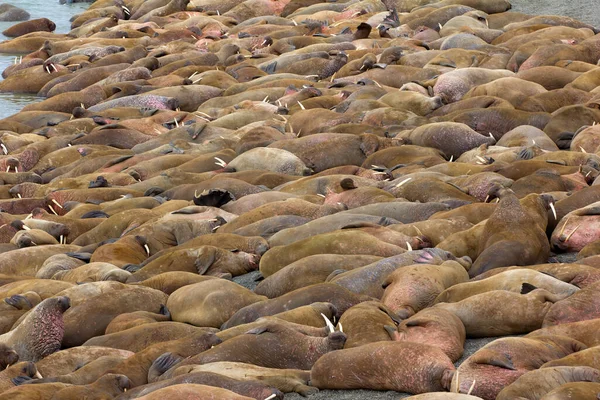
(8, 356)
(41, 332)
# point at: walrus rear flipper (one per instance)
(81, 256)
(527, 288)
(564, 140)
(213, 198)
(162, 364)
(270, 69)
(20, 380)
(153, 191)
(95, 214)
(500, 254)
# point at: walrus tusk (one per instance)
(60, 239)
(572, 232)
(553, 210)
(57, 203)
(29, 216)
(8, 168)
(403, 182)
(483, 160)
(457, 382)
(4, 149)
(583, 150)
(564, 226)
(26, 228)
(19, 195)
(53, 67)
(451, 158)
(52, 209)
(147, 249)
(471, 388)
(440, 25)
(409, 247)
(272, 396)
(47, 69)
(17, 170)
(321, 195)
(301, 106)
(38, 375)
(220, 162)
(7, 365)
(197, 80)
(341, 327)
(486, 198)
(328, 323)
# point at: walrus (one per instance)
(193, 391)
(587, 357)
(566, 236)
(138, 338)
(369, 280)
(511, 280)
(17, 371)
(491, 313)
(500, 362)
(92, 272)
(286, 380)
(516, 231)
(46, 318)
(327, 243)
(374, 366)
(34, 25)
(168, 282)
(203, 260)
(80, 293)
(259, 345)
(341, 298)
(213, 304)
(537, 383)
(90, 318)
(133, 319)
(411, 289)
(577, 307)
(309, 270)
(578, 390)
(365, 323)
(252, 389)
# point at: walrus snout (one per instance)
(337, 340)
(64, 303)
(8, 356)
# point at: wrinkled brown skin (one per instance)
(91, 318)
(510, 279)
(138, 338)
(582, 305)
(516, 231)
(131, 320)
(435, 327)
(573, 390)
(41, 331)
(137, 367)
(16, 369)
(413, 288)
(168, 282)
(375, 366)
(588, 357)
(88, 373)
(286, 380)
(309, 271)
(535, 384)
(34, 25)
(266, 321)
(341, 298)
(43, 391)
(206, 260)
(66, 361)
(271, 346)
(500, 312)
(127, 250)
(581, 331)
(230, 241)
(336, 242)
(108, 385)
(193, 391)
(501, 362)
(364, 323)
(255, 390)
(435, 230)
(369, 280)
(209, 303)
